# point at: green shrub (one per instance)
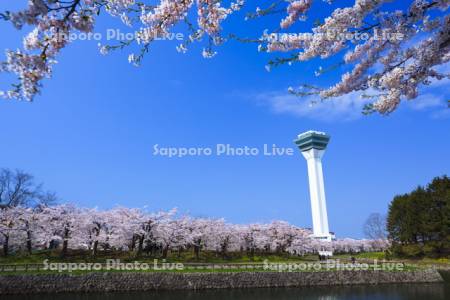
(413, 250)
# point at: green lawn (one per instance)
(364, 255)
(185, 257)
(192, 264)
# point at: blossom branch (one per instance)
(404, 68)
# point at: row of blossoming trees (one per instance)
(66, 227)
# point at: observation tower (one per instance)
(312, 145)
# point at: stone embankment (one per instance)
(114, 281)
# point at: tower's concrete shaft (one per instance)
(312, 144)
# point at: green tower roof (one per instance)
(312, 140)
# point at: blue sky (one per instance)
(89, 136)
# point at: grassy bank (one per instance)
(207, 262)
(183, 257)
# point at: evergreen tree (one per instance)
(419, 222)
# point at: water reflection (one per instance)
(391, 292)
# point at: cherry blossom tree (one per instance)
(8, 227)
(224, 238)
(96, 226)
(173, 234)
(29, 223)
(151, 236)
(64, 224)
(391, 54)
(200, 230)
(302, 245)
(126, 224)
(282, 235)
(250, 235)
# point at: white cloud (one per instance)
(433, 99)
(441, 114)
(347, 107)
(445, 68)
(426, 101)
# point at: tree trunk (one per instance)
(164, 252)
(5, 246)
(65, 243)
(140, 246)
(94, 249)
(29, 246)
(64, 248)
(197, 252)
(224, 251)
(133, 243)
